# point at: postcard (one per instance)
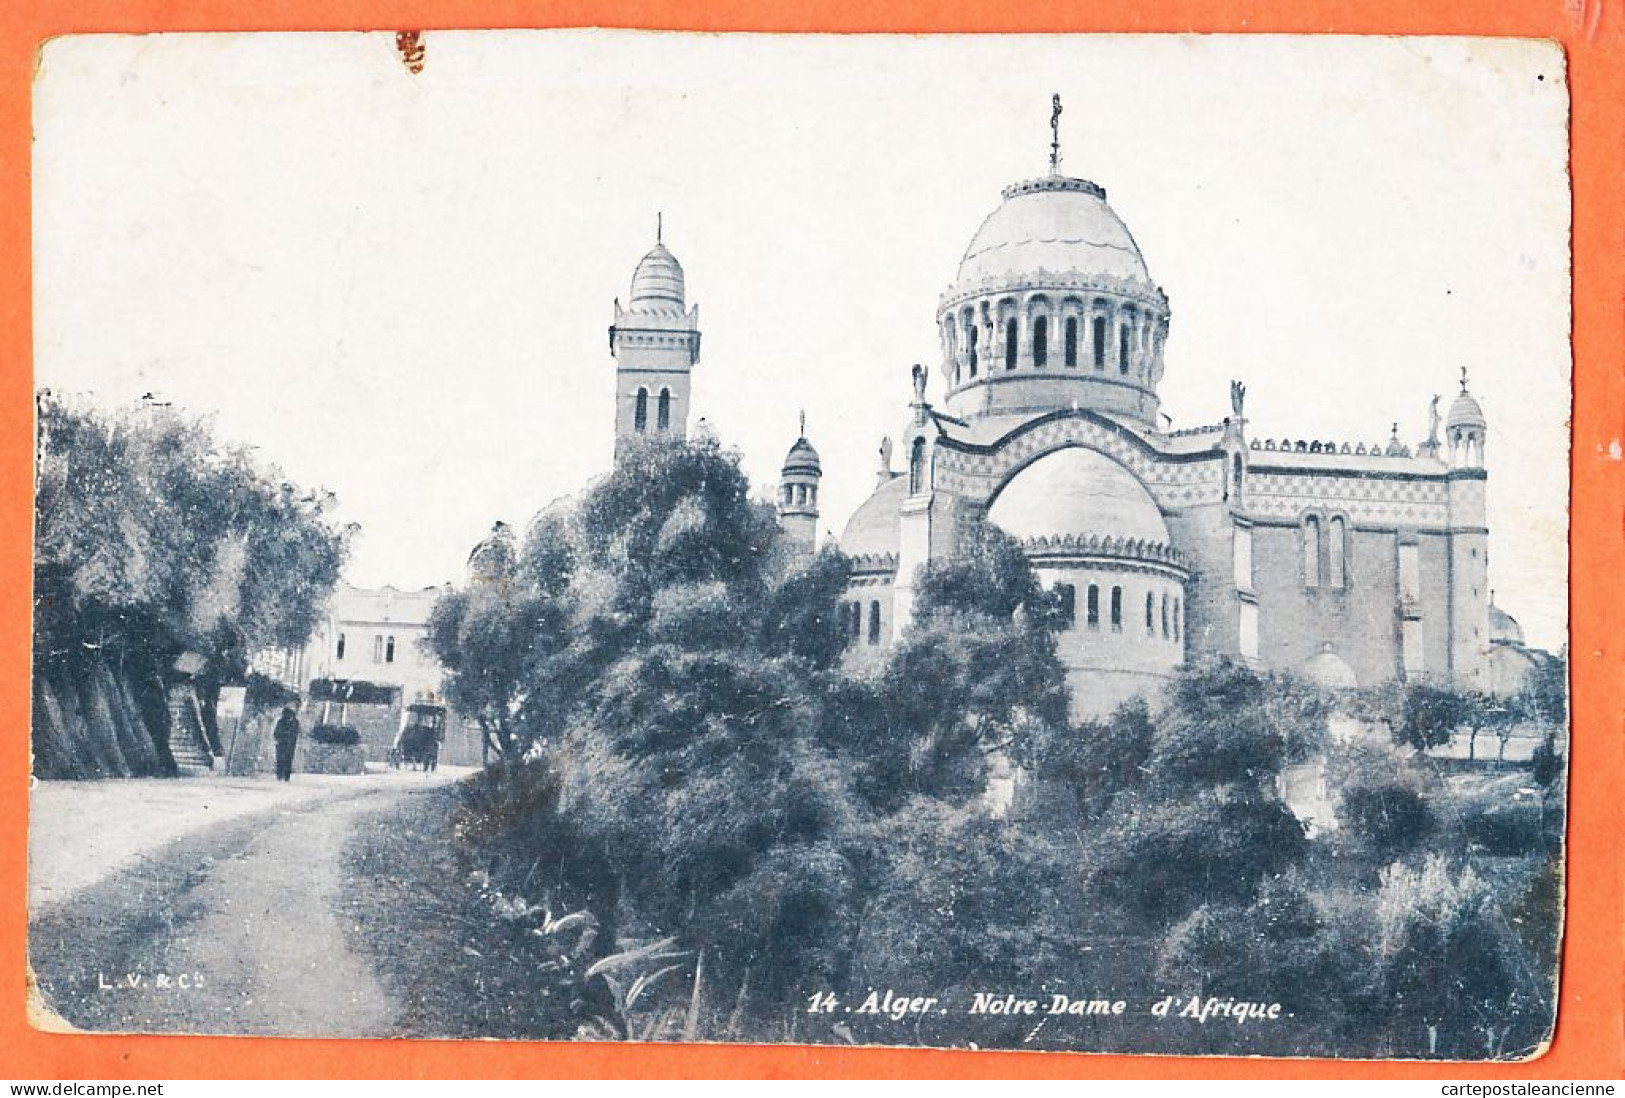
(1093, 578)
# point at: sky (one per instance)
(398, 286)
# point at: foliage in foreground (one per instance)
(721, 781)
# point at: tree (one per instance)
(703, 760)
(976, 671)
(153, 539)
(1208, 825)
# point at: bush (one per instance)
(1392, 818)
(336, 735)
(1505, 829)
(1547, 763)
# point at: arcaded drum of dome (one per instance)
(1055, 224)
(658, 281)
(1077, 492)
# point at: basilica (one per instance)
(1349, 563)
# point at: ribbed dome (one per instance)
(1465, 412)
(876, 526)
(802, 458)
(1078, 492)
(658, 281)
(1055, 224)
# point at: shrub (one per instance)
(336, 735)
(1505, 829)
(1392, 818)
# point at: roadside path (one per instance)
(223, 914)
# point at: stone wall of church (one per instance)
(1203, 535)
(1356, 622)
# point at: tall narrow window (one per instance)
(916, 468)
(1165, 630)
(663, 410)
(1336, 533)
(1150, 614)
(874, 622)
(1010, 344)
(1071, 347)
(970, 346)
(1099, 334)
(1066, 604)
(640, 412)
(378, 648)
(1235, 476)
(1176, 617)
(1040, 342)
(339, 653)
(1311, 551)
(1122, 348)
(1117, 609)
(389, 649)
(1092, 607)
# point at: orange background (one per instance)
(1590, 1041)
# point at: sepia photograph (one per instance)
(1093, 578)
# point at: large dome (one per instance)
(1077, 492)
(875, 528)
(1056, 224)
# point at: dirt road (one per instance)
(235, 928)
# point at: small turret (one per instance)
(1465, 429)
(798, 492)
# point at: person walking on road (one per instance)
(286, 735)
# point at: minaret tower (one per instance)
(656, 343)
(798, 493)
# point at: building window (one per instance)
(1117, 609)
(1071, 341)
(970, 345)
(378, 648)
(1100, 342)
(1040, 342)
(389, 649)
(1010, 344)
(1066, 604)
(874, 622)
(1122, 348)
(339, 654)
(1235, 476)
(663, 410)
(1092, 607)
(916, 468)
(1165, 629)
(1311, 551)
(1150, 613)
(1176, 617)
(640, 413)
(1336, 533)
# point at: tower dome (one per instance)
(658, 281)
(1053, 308)
(1465, 411)
(802, 458)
